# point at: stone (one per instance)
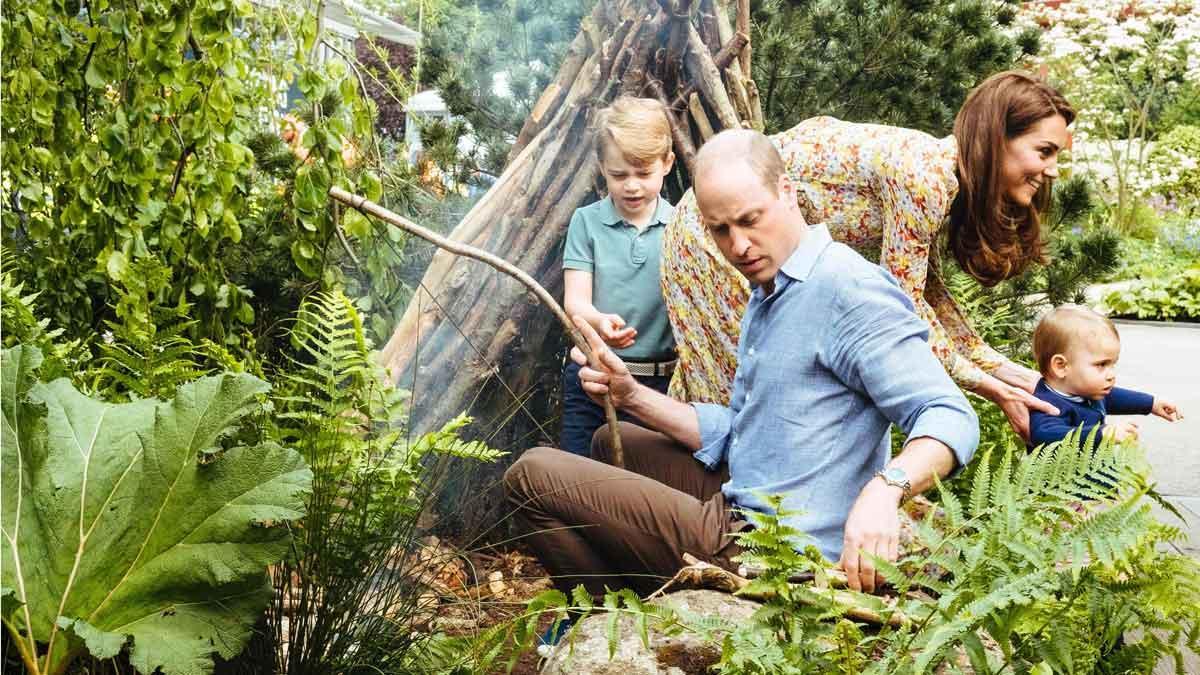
(585, 649)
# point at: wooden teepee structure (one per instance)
(474, 339)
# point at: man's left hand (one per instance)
(872, 529)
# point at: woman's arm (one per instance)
(914, 178)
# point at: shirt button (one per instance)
(735, 439)
(752, 351)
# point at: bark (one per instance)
(474, 339)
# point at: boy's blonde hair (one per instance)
(1062, 326)
(635, 127)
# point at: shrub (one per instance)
(1170, 299)
(349, 593)
(1177, 153)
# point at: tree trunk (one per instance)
(472, 339)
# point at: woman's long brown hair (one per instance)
(992, 238)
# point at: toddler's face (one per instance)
(1089, 368)
(634, 187)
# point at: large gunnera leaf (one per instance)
(128, 525)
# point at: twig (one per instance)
(743, 27)
(705, 575)
(370, 208)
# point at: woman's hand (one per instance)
(1018, 376)
(1015, 402)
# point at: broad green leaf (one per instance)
(133, 520)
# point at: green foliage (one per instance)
(1053, 556)
(1178, 153)
(473, 45)
(142, 123)
(347, 593)
(139, 525)
(889, 61)
(21, 322)
(1176, 298)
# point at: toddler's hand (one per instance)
(1121, 431)
(1166, 410)
(613, 331)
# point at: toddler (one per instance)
(1077, 351)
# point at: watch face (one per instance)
(893, 473)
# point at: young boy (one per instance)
(611, 259)
(1077, 351)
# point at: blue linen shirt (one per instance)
(825, 363)
(624, 264)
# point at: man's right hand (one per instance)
(614, 332)
(613, 376)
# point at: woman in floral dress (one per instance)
(894, 193)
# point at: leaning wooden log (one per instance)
(471, 337)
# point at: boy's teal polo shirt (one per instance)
(624, 265)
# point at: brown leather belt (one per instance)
(652, 369)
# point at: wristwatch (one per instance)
(895, 477)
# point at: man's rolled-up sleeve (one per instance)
(715, 423)
(877, 345)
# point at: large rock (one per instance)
(585, 650)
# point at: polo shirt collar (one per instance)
(801, 262)
(609, 216)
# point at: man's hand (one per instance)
(1166, 410)
(1121, 431)
(614, 332)
(613, 378)
(872, 528)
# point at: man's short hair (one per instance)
(637, 128)
(749, 146)
(1063, 326)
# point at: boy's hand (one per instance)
(1121, 431)
(613, 331)
(1166, 410)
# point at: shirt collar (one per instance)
(609, 216)
(801, 262)
(1069, 397)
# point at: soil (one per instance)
(494, 588)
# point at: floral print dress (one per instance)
(885, 191)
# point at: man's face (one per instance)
(756, 227)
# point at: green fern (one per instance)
(350, 583)
(1055, 559)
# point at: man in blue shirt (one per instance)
(831, 353)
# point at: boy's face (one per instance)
(634, 187)
(1088, 369)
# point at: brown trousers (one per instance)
(591, 523)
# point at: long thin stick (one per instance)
(370, 208)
